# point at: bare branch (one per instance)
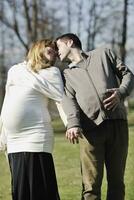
(68, 15)
(80, 6)
(35, 18)
(28, 20)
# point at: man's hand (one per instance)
(73, 134)
(112, 101)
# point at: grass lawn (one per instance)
(66, 158)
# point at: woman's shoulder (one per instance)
(16, 67)
(51, 70)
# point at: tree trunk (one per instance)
(124, 31)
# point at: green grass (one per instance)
(5, 190)
(66, 157)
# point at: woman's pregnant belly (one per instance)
(24, 110)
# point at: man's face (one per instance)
(63, 49)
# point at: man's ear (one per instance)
(70, 43)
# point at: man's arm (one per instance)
(123, 73)
(70, 105)
(71, 109)
(126, 82)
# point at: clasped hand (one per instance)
(112, 101)
(73, 134)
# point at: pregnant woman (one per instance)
(27, 123)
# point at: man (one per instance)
(96, 85)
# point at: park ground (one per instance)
(66, 158)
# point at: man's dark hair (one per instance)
(68, 36)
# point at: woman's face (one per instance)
(50, 54)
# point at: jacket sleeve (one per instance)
(124, 74)
(3, 137)
(49, 82)
(70, 105)
(62, 113)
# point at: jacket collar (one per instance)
(80, 63)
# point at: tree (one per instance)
(97, 20)
(124, 31)
(68, 15)
(28, 20)
(79, 22)
(2, 66)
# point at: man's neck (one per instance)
(75, 56)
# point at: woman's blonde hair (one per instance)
(36, 58)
